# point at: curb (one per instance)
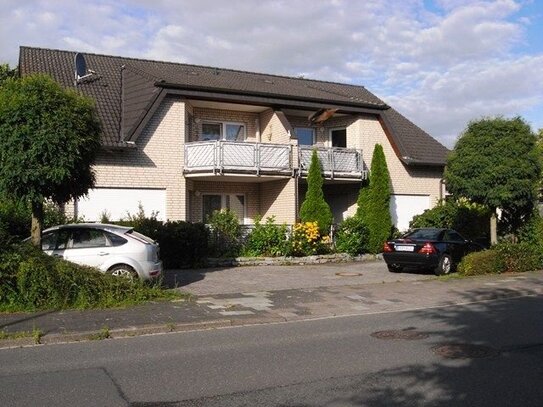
(133, 331)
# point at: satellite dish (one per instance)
(80, 66)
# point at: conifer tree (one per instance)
(314, 208)
(374, 202)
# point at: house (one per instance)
(184, 140)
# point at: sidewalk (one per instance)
(265, 306)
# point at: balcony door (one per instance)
(338, 137)
(216, 202)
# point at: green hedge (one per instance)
(501, 258)
(31, 280)
(352, 236)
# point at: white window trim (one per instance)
(330, 134)
(223, 203)
(223, 128)
(306, 128)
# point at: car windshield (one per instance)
(424, 234)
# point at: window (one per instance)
(84, 238)
(234, 202)
(338, 137)
(223, 131)
(306, 136)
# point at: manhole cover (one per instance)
(348, 274)
(406, 334)
(464, 351)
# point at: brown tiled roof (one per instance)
(125, 89)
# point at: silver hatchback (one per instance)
(118, 250)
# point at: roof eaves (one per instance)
(233, 92)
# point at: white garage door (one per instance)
(404, 207)
(118, 202)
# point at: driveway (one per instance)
(272, 278)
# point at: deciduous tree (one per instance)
(49, 138)
(495, 163)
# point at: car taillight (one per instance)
(387, 248)
(428, 248)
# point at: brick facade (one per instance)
(157, 162)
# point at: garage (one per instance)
(404, 207)
(118, 202)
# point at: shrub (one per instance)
(352, 236)
(503, 257)
(314, 208)
(183, 244)
(470, 220)
(267, 239)
(374, 202)
(31, 280)
(225, 234)
(518, 257)
(478, 263)
(306, 240)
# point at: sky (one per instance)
(441, 63)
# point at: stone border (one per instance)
(288, 261)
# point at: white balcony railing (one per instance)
(231, 156)
(336, 162)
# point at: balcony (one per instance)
(229, 157)
(337, 162)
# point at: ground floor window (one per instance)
(216, 202)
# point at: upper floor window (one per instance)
(223, 131)
(306, 136)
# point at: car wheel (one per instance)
(124, 271)
(444, 266)
(394, 268)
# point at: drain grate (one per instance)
(464, 351)
(405, 334)
(348, 274)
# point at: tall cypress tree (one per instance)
(314, 208)
(374, 202)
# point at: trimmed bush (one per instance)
(352, 236)
(501, 258)
(267, 239)
(314, 208)
(479, 263)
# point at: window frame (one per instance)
(222, 134)
(314, 135)
(223, 196)
(331, 130)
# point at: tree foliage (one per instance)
(49, 138)
(374, 202)
(6, 72)
(495, 163)
(314, 208)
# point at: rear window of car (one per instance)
(115, 240)
(424, 234)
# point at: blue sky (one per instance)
(441, 63)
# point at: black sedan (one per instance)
(430, 248)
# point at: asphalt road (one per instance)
(327, 362)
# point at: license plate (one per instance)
(404, 248)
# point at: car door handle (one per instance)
(103, 254)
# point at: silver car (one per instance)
(118, 250)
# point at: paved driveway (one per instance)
(271, 278)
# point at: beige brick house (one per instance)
(184, 140)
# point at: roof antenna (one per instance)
(81, 69)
